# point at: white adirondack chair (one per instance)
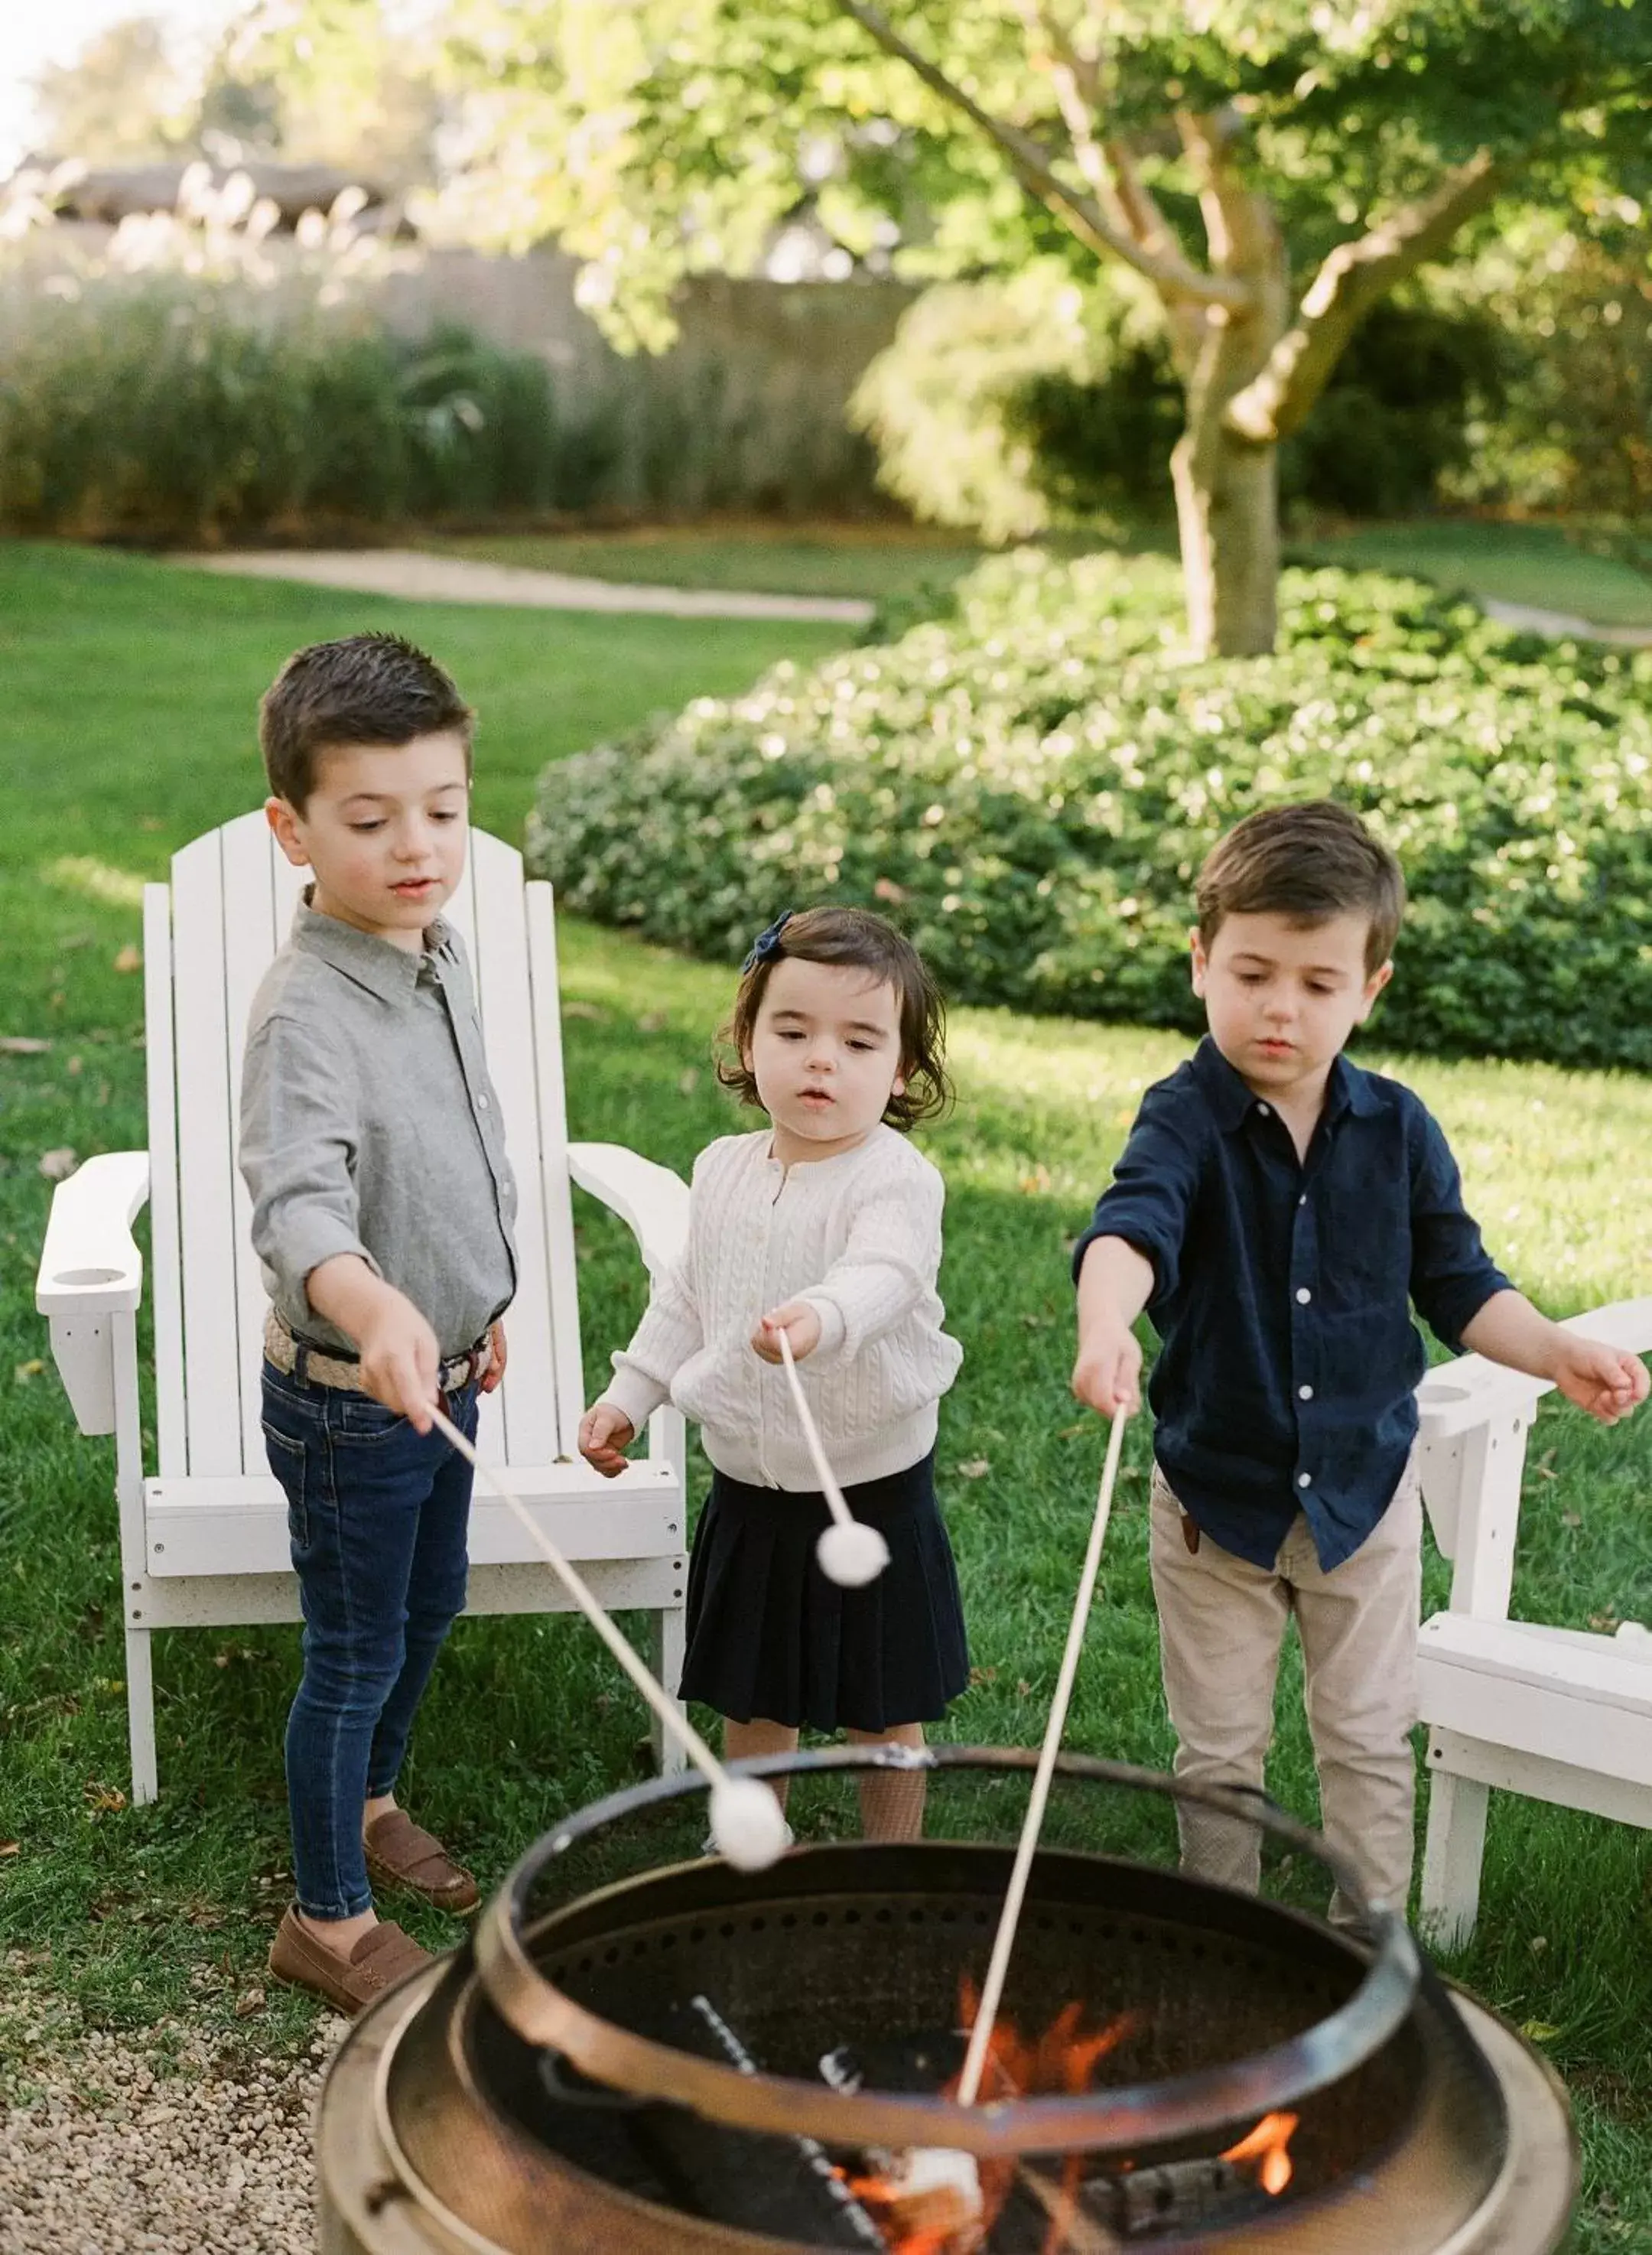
(1561, 1715)
(204, 1538)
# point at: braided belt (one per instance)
(285, 1354)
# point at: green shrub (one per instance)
(1014, 406)
(163, 408)
(1031, 784)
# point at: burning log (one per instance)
(930, 2198)
(787, 2187)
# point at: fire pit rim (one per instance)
(1114, 2121)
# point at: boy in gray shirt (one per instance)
(383, 1205)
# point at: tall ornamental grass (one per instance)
(182, 382)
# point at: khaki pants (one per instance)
(1221, 1623)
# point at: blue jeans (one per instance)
(377, 1515)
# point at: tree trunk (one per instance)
(1227, 484)
(1228, 515)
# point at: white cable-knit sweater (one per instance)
(859, 1236)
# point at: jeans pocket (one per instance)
(359, 1417)
(289, 1461)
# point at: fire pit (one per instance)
(696, 2058)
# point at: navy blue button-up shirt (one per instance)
(1282, 1294)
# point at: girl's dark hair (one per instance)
(866, 942)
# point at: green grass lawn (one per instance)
(1534, 564)
(127, 728)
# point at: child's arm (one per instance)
(297, 1156)
(1132, 1251)
(1115, 1282)
(399, 1354)
(890, 1258)
(1602, 1379)
(1469, 1302)
(671, 1330)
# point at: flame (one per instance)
(1266, 2147)
(1062, 2059)
(933, 2220)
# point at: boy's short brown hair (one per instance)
(1309, 863)
(867, 942)
(366, 689)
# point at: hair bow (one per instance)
(767, 945)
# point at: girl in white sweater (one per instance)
(825, 1225)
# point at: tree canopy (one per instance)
(661, 137)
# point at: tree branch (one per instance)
(1348, 283)
(1106, 162)
(1078, 211)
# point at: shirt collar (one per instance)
(1231, 1101)
(389, 971)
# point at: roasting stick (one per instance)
(746, 1819)
(1004, 1942)
(850, 1552)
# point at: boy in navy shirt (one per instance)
(1276, 1211)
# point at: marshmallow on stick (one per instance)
(747, 1822)
(851, 1553)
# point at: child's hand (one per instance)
(605, 1435)
(496, 1367)
(1602, 1379)
(400, 1359)
(801, 1324)
(1107, 1376)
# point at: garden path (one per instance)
(1562, 625)
(424, 577)
(421, 576)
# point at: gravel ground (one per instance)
(159, 2141)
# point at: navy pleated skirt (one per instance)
(770, 1637)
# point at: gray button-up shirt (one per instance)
(368, 1125)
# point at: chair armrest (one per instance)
(90, 1272)
(649, 1199)
(1455, 1397)
(89, 1264)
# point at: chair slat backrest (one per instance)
(206, 947)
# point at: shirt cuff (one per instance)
(303, 1249)
(633, 1394)
(833, 1327)
(1131, 1229)
(1452, 1315)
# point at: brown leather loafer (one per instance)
(379, 1960)
(399, 1854)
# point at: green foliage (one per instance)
(1015, 405)
(701, 124)
(1034, 782)
(163, 412)
(1574, 301)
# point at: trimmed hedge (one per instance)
(1029, 785)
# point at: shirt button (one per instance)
(481, 1104)
(1263, 1112)
(1303, 1200)
(1304, 1479)
(1304, 1295)
(1304, 1394)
